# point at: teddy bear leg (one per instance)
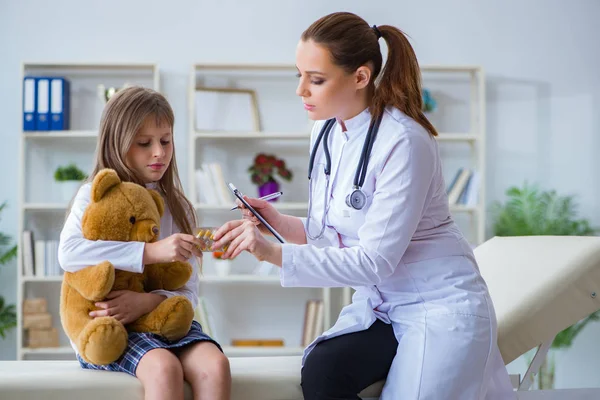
(168, 276)
(172, 319)
(102, 341)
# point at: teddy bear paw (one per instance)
(102, 341)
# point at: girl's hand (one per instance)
(244, 235)
(127, 306)
(177, 247)
(265, 209)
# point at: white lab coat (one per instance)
(75, 252)
(407, 261)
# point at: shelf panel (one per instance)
(216, 207)
(53, 278)
(251, 67)
(241, 278)
(239, 351)
(48, 350)
(443, 136)
(98, 65)
(253, 135)
(462, 208)
(227, 207)
(45, 206)
(449, 68)
(457, 137)
(85, 134)
(231, 351)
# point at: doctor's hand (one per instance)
(244, 235)
(265, 209)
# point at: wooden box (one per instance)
(43, 338)
(37, 321)
(35, 305)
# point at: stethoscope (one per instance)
(357, 198)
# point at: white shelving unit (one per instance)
(460, 120)
(285, 132)
(41, 209)
(244, 305)
(461, 95)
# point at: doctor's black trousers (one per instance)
(340, 367)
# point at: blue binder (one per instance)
(29, 101)
(43, 103)
(59, 104)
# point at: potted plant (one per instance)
(263, 172)
(8, 315)
(530, 211)
(69, 178)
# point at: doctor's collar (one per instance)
(359, 122)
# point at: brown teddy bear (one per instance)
(121, 211)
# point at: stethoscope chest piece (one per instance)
(357, 199)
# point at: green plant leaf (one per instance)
(69, 173)
(5, 257)
(8, 317)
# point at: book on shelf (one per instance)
(40, 257)
(313, 321)
(211, 187)
(464, 188)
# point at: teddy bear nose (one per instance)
(155, 230)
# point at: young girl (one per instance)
(136, 140)
(421, 315)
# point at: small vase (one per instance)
(268, 188)
(223, 267)
(68, 189)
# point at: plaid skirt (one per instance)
(141, 343)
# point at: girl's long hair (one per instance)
(123, 117)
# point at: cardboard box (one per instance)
(37, 321)
(35, 305)
(43, 338)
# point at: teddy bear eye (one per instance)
(132, 220)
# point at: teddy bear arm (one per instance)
(93, 283)
(167, 276)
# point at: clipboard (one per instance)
(239, 195)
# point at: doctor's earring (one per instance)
(356, 199)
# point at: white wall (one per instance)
(541, 59)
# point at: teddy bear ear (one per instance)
(158, 200)
(103, 182)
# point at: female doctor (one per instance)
(379, 222)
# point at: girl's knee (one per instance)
(169, 368)
(160, 366)
(216, 367)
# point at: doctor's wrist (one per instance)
(274, 254)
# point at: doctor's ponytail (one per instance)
(400, 82)
(353, 43)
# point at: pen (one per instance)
(267, 197)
